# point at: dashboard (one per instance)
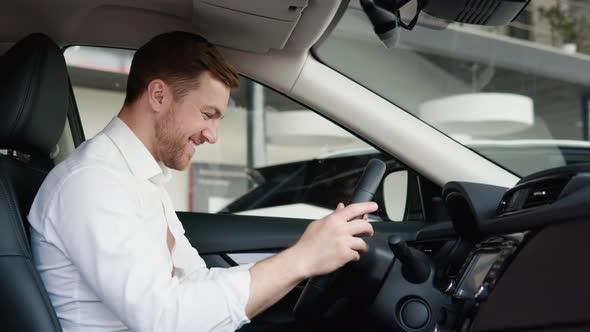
(512, 260)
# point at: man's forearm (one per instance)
(272, 279)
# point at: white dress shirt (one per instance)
(98, 233)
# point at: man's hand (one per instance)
(326, 245)
(329, 243)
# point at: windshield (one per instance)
(516, 94)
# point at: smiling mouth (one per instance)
(194, 145)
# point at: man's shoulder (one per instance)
(99, 149)
(94, 172)
(94, 160)
(98, 153)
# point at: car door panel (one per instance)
(226, 233)
(220, 233)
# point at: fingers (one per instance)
(340, 206)
(355, 210)
(358, 244)
(354, 256)
(360, 226)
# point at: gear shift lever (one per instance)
(415, 268)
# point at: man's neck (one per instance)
(140, 124)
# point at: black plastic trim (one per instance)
(74, 120)
(227, 233)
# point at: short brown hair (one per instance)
(177, 58)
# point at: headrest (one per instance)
(35, 95)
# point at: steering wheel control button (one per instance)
(415, 314)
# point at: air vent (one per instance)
(543, 193)
(532, 194)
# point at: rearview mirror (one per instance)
(388, 16)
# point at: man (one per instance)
(106, 240)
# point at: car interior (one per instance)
(489, 252)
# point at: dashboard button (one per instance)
(482, 293)
(450, 289)
(496, 266)
(492, 275)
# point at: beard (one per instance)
(171, 143)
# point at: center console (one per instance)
(482, 268)
(523, 269)
(477, 277)
(513, 260)
(431, 294)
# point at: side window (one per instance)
(274, 157)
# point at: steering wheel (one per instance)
(316, 298)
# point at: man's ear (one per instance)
(159, 95)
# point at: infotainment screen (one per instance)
(475, 274)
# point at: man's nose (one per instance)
(210, 135)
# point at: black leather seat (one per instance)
(34, 101)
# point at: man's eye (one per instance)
(206, 116)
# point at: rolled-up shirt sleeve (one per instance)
(124, 261)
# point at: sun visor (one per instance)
(253, 25)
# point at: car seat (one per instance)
(34, 101)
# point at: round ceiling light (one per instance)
(479, 114)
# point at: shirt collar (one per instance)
(139, 160)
